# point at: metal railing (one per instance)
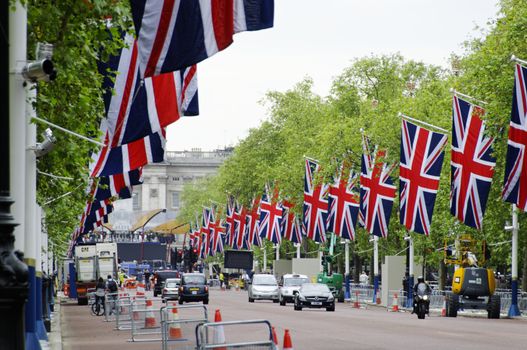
(178, 325)
(249, 334)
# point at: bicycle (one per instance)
(97, 308)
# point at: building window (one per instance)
(153, 193)
(135, 201)
(175, 178)
(175, 199)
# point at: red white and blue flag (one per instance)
(315, 207)
(216, 237)
(472, 163)
(252, 226)
(422, 153)
(240, 219)
(516, 165)
(206, 221)
(290, 227)
(173, 35)
(270, 218)
(377, 191)
(343, 204)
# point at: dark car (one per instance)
(314, 295)
(193, 288)
(160, 277)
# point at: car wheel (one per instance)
(251, 300)
(331, 308)
(180, 301)
(282, 301)
(298, 308)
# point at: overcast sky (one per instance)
(318, 39)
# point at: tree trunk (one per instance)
(524, 270)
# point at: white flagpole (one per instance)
(404, 116)
(517, 60)
(457, 93)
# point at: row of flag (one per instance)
(367, 198)
(151, 83)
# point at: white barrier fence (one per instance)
(178, 325)
(250, 334)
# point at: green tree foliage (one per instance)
(369, 95)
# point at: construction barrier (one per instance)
(250, 334)
(362, 294)
(110, 303)
(145, 319)
(178, 325)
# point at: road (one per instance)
(346, 328)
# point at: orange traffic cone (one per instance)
(150, 318)
(275, 338)
(219, 333)
(356, 304)
(288, 344)
(395, 303)
(443, 309)
(140, 289)
(174, 329)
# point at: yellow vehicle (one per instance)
(473, 287)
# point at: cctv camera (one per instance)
(47, 145)
(39, 70)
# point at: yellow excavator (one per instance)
(473, 286)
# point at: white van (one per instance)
(290, 283)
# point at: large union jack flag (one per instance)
(230, 224)
(377, 191)
(515, 184)
(270, 218)
(216, 237)
(290, 227)
(472, 163)
(206, 220)
(422, 153)
(343, 205)
(315, 204)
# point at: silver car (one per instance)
(289, 284)
(263, 287)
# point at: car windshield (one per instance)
(314, 288)
(268, 280)
(172, 285)
(295, 281)
(196, 279)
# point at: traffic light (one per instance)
(194, 256)
(179, 255)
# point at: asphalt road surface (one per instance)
(346, 328)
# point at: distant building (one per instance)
(162, 187)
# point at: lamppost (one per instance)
(143, 231)
(13, 272)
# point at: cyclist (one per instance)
(99, 294)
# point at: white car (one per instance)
(263, 287)
(289, 284)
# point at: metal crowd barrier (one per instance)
(123, 320)
(110, 305)
(177, 332)
(90, 292)
(250, 334)
(145, 322)
(364, 293)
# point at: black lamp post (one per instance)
(143, 231)
(13, 272)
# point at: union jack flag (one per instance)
(239, 230)
(290, 227)
(472, 163)
(422, 153)
(516, 165)
(315, 205)
(216, 237)
(377, 191)
(270, 218)
(230, 224)
(173, 34)
(206, 221)
(343, 205)
(252, 226)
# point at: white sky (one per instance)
(317, 38)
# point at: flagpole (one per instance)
(277, 247)
(409, 297)
(297, 250)
(68, 131)
(347, 268)
(375, 268)
(404, 116)
(457, 93)
(514, 310)
(517, 60)
(264, 258)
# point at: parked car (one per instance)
(171, 289)
(290, 283)
(193, 288)
(263, 287)
(314, 295)
(160, 277)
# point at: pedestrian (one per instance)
(100, 290)
(147, 279)
(111, 287)
(222, 281)
(363, 278)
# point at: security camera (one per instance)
(39, 70)
(47, 145)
